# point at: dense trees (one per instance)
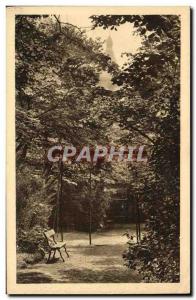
(149, 110)
(58, 101)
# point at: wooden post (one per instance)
(59, 200)
(60, 196)
(57, 206)
(90, 209)
(137, 210)
(138, 221)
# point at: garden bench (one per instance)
(53, 245)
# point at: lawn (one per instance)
(100, 262)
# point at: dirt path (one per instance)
(101, 262)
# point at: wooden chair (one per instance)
(53, 245)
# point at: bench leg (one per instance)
(54, 254)
(66, 251)
(61, 254)
(49, 256)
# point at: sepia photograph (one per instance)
(98, 150)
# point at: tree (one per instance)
(57, 97)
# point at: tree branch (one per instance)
(142, 133)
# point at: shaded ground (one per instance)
(101, 262)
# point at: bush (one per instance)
(32, 240)
(33, 211)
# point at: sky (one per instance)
(124, 39)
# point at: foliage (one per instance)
(147, 107)
(57, 102)
(148, 259)
(32, 210)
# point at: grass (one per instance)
(101, 262)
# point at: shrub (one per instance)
(148, 259)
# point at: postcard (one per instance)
(98, 150)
